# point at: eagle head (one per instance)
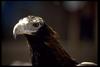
(28, 25)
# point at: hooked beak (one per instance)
(16, 30)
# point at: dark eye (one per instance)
(36, 24)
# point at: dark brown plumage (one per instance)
(46, 49)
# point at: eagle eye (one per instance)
(36, 24)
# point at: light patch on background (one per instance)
(20, 63)
(87, 64)
(73, 5)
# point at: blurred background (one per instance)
(74, 21)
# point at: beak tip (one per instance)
(14, 35)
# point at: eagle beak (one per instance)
(16, 30)
(19, 30)
(14, 35)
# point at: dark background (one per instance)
(77, 27)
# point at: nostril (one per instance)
(36, 24)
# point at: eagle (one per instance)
(45, 47)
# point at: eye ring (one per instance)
(35, 24)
